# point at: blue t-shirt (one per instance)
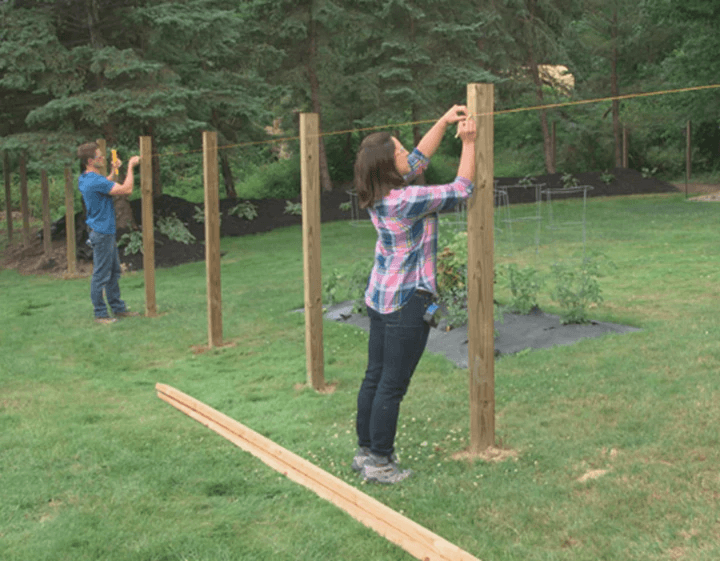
(100, 206)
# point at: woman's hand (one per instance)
(455, 113)
(467, 131)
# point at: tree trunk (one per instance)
(615, 91)
(227, 176)
(547, 138)
(535, 77)
(325, 181)
(156, 182)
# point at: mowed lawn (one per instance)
(615, 442)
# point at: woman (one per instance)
(402, 283)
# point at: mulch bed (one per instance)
(270, 215)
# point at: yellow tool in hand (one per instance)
(114, 159)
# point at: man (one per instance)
(98, 193)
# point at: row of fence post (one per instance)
(480, 100)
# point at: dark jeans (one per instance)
(106, 274)
(397, 341)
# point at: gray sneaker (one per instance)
(383, 469)
(361, 455)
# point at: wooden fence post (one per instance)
(310, 174)
(212, 238)
(8, 197)
(47, 240)
(24, 207)
(148, 226)
(481, 328)
(102, 145)
(71, 251)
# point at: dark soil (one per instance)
(270, 214)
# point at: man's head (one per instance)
(90, 155)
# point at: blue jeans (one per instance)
(396, 343)
(106, 274)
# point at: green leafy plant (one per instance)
(568, 180)
(452, 265)
(293, 208)
(577, 288)
(332, 285)
(454, 304)
(527, 181)
(607, 177)
(173, 228)
(648, 172)
(346, 206)
(524, 284)
(245, 209)
(132, 241)
(199, 215)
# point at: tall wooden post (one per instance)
(481, 329)
(102, 145)
(71, 251)
(47, 241)
(212, 238)
(310, 174)
(24, 207)
(148, 226)
(8, 197)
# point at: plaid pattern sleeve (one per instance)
(406, 250)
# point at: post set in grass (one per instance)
(480, 101)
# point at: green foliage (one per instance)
(173, 228)
(293, 208)
(442, 169)
(527, 181)
(452, 265)
(245, 209)
(525, 285)
(454, 304)
(577, 288)
(278, 180)
(607, 177)
(568, 180)
(133, 242)
(339, 286)
(648, 172)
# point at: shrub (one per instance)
(279, 180)
(452, 265)
(173, 228)
(245, 209)
(524, 285)
(133, 242)
(577, 288)
(293, 208)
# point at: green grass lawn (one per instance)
(94, 466)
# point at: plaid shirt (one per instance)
(406, 220)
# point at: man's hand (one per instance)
(135, 160)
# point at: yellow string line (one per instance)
(502, 112)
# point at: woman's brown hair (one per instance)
(375, 171)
